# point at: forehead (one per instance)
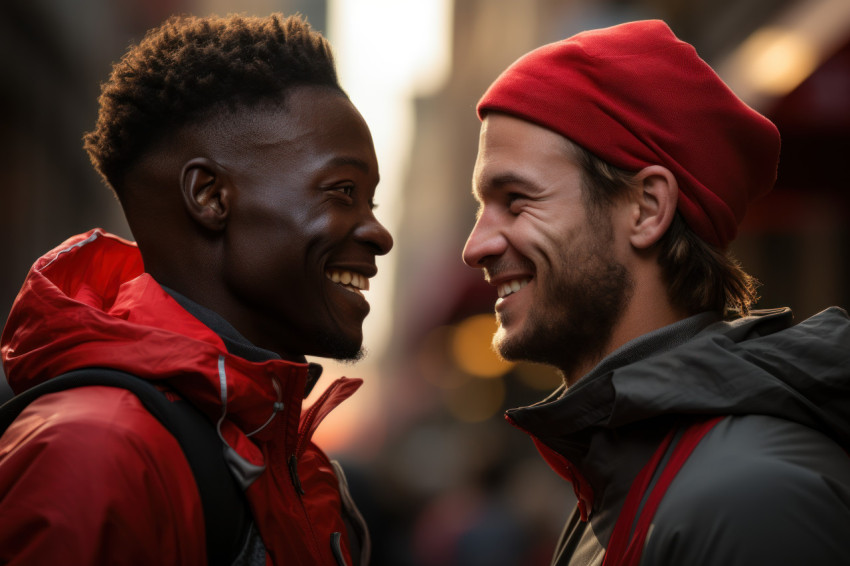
(513, 150)
(310, 124)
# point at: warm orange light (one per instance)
(777, 60)
(472, 349)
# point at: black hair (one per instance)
(190, 67)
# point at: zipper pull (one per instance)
(293, 475)
(336, 548)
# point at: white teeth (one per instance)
(349, 279)
(511, 287)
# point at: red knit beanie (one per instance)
(634, 95)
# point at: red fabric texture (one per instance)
(65, 499)
(87, 476)
(635, 95)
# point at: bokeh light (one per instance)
(778, 60)
(472, 349)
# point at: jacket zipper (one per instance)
(292, 462)
(293, 475)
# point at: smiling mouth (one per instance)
(511, 287)
(349, 280)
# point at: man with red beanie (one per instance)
(612, 172)
(247, 178)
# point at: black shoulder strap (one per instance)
(226, 514)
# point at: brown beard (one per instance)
(579, 305)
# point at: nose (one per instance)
(373, 233)
(484, 242)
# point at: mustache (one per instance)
(495, 270)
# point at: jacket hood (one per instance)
(88, 302)
(762, 364)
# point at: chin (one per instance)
(510, 349)
(352, 357)
(527, 346)
(340, 348)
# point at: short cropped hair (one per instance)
(189, 68)
(699, 276)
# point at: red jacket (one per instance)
(88, 476)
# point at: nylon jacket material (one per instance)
(770, 484)
(88, 476)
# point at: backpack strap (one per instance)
(625, 547)
(226, 515)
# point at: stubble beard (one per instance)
(571, 324)
(341, 349)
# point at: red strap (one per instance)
(625, 550)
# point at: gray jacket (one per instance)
(770, 484)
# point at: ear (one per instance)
(656, 205)
(206, 192)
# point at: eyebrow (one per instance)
(502, 180)
(348, 161)
(511, 179)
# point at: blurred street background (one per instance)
(440, 476)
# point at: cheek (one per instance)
(538, 242)
(262, 272)
(260, 251)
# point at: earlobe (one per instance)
(205, 193)
(657, 202)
